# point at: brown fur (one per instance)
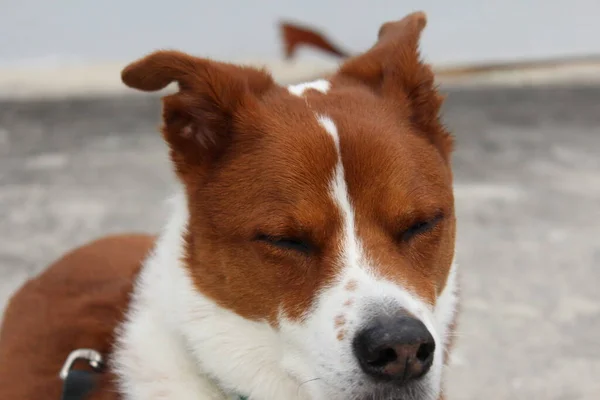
(76, 303)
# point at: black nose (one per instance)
(396, 348)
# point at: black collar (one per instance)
(79, 383)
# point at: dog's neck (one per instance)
(177, 343)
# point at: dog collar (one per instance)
(79, 383)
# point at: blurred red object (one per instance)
(295, 36)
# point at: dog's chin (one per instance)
(411, 391)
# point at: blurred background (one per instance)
(80, 155)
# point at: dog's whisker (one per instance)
(305, 382)
(459, 335)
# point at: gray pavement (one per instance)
(527, 171)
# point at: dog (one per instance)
(310, 249)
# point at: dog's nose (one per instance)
(396, 349)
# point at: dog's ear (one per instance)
(197, 120)
(394, 70)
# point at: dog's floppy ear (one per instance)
(394, 70)
(197, 120)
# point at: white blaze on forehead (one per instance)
(321, 85)
(329, 126)
(351, 247)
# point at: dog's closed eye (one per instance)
(420, 228)
(286, 243)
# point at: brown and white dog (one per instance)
(310, 250)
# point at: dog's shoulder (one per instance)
(76, 303)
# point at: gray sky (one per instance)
(38, 32)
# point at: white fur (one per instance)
(445, 309)
(321, 85)
(151, 358)
(177, 343)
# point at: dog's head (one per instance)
(324, 209)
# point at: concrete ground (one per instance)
(527, 171)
